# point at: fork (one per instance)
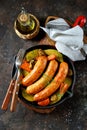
(17, 82)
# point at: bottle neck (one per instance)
(25, 22)
(23, 18)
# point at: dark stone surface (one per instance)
(72, 114)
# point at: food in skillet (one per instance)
(46, 76)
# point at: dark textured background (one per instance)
(72, 114)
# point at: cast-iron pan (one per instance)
(67, 95)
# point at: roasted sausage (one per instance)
(54, 85)
(36, 71)
(44, 80)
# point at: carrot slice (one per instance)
(51, 57)
(26, 66)
(44, 102)
(63, 89)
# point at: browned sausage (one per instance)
(54, 85)
(36, 72)
(45, 79)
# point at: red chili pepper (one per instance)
(81, 20)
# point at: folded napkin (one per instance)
(69, 41)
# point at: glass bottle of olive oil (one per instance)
(25, 22)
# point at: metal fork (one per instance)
(18, 62)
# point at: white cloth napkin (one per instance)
(69, 41)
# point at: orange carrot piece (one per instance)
(51, 57)
(64, 89)
(44, 102)
(61, 86)
(21, 77)
(26, 66)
